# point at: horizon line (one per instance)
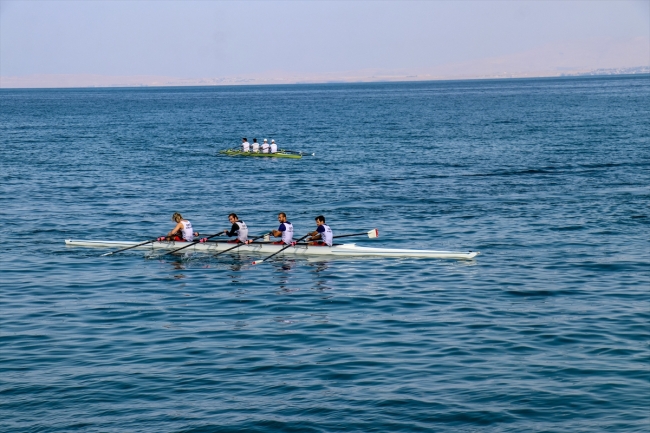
(636, 71)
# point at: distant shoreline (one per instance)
(598, 73)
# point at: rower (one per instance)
(323, 234)
(274, 147)
(245, 145)
(238, 229)
(256, 145)
(285, 230)
(265, 146)
(182, 231)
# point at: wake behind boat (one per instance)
(300, 249)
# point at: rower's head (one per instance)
(272, 141)
(244, 140)
(177, 217)
(320, 220)
(233, 218)
(254, 140)
(265, 140)
(282, 217)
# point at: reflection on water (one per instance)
(319, 266)
(317, 271)
(240, 324)
(288, 264)
(178, 266)
(282, 275)
(236, 266)
(283, 290)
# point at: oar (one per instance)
(192, 243)
(278, 252)
(374, 233)
(239, 245)
(296, 153)
(371, 234)
(124, 249)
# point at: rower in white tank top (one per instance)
(188, 232)
(274, 147)
(256, 145)
(238, 229)
(245, 145)
(265, 146)
(323, 235)
(285, 231)
(182, 231)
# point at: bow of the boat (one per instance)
(354, 250)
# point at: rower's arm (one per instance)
(233, 230)
(276, 233)
(175, 230)
(315, 235)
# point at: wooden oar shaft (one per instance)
(128, 248)
(279, 251)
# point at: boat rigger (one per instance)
(300, 249)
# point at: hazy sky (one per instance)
(214, 38)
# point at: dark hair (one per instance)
(177, 216)
(245, 139)
(283, 214)
(234, 215)
(254, 140)
(320, 218)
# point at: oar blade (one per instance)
(374, 233)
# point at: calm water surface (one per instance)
(548, 330)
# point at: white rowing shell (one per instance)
(263, 248)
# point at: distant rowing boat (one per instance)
(278, 154)
(344, 250)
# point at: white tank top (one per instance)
(242, 233)
(245, 146)
(327, 235)
(256, 147)
(287, 234)
(274, 148)
(188, 233)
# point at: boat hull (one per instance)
(232, 152)
(345, 250)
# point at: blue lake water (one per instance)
(548, 330)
